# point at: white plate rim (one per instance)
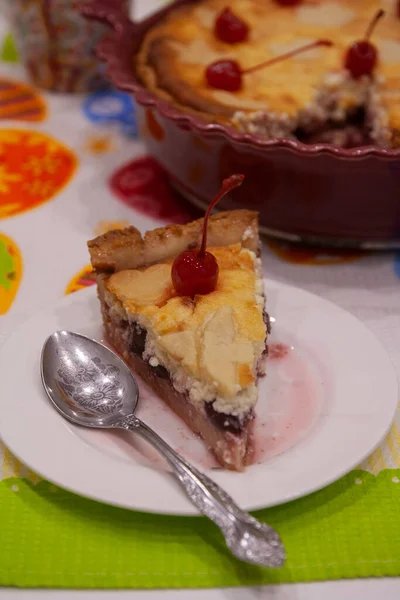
(13, 429)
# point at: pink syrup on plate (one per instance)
(292, 404)
(288, 406)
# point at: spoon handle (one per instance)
(213, 501)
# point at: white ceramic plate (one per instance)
(327, 402)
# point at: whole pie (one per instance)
(204, 354)
(311, 97)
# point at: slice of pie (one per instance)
(201, 355)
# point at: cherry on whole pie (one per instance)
(230, 28)
(288, 2)
(228, 75)
(315, 98)
(362, 56)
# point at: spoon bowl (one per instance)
(87, 382)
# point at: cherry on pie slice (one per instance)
(202, 355)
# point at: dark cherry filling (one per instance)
(137, 342)
(225, 422)
(353, 132)
(137, 339)
(267, 321)
(160, 371)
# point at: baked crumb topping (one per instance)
(211, 345)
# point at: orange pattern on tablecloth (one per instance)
(104, 226)
(99, 144)
(301, 255)
(33, 169)
(20, 101)
(10, 272)
(84, 278)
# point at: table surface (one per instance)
(354, 590)
(367, 589)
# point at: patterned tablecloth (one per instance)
(72, 167)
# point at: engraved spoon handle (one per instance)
(210, 499)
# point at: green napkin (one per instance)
(50, 537)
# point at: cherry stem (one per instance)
(373, 23)
(288, 55)
(228, 185)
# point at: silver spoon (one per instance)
(92, 387)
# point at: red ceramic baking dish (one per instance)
(316, 194)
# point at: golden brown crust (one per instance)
(159, 57)
(122, 249)
(114, 248)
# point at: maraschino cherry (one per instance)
(230, 28)
(227, 74)
(196, 271)
(362, 56)
(288, 2)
